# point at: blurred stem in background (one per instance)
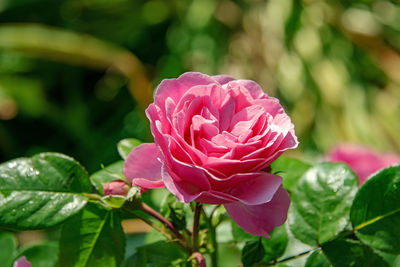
(70, 47)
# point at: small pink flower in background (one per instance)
(22, 262)
(364, 161)
(213, 136)
(116, 187)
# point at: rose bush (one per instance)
(214, 137)
(363, 160)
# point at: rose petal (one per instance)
(184, 192)
(214, 93)
(176, 88)
(261, 219)
(223, 79)
(190, 79)
(256, 188)
(270, 104)
(255, 90)
(245, 119)
(233, 166)
(143, 167)
(227, 111)
(184, 171)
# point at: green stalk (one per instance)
(195, 232)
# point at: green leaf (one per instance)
(110, 173)
(126, 145)
(41, 255)
(115, 202)
(172, 209)
(375, 213)
(41, 191)
(391, 259)
(275, 246)
(8, 246)
(290, 170)
(240, 235)
(351, 253)
(94, 237)
(321, 202)
(158, 254)
(317, 259)
(252, 253)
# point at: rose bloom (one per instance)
(214, 137)
(364, 161)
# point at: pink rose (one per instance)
(214, 136)
(22, 262)
(362, 160)
(116, 187)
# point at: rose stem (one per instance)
(214, 253)
(195, 232)
(182, 243)
(144, 207)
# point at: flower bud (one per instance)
(117, 187)
(22, 262)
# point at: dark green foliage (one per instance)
(159, 254)
(375, 213)
(253, 252)
(317, 259)
(275, 246)
(172, 209)
(351, 253)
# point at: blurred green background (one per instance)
(76, 75)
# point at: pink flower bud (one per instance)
(116, 187)
(22, 262)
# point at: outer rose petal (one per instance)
(259, 188)
(182, 191)
(261, 219)
(143, 168)
(175, 88)
(22, 262)
(223, 79)
(255, 90)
